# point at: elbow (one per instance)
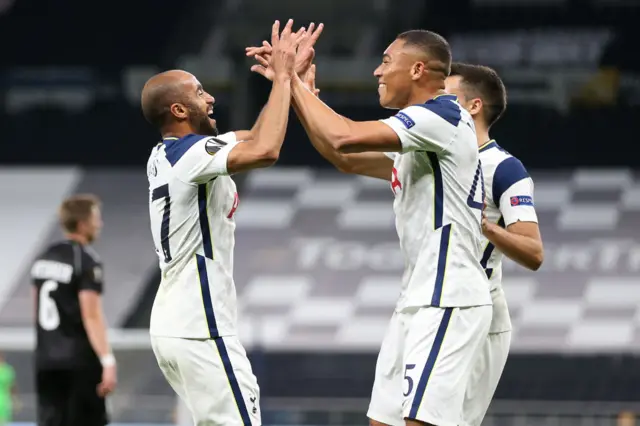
(268, 158)
(343, 144)
(345, 167)
(339, 144)
(536, 260)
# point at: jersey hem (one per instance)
(182, 336)
(443, 306)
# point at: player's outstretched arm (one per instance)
(372, 164)
(342, 134)
(263, 150)
(248, 135)
(520, 240)
(264, 52)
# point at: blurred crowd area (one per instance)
(570, 67)
(70, 79)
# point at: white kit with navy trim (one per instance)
(438, 185)
(191, 204)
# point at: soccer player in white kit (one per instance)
(192, 201)
(428, 152)
(510, 225)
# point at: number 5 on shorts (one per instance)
(407, 368)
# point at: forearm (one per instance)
(321, 145)
(247, 135)
(96, 329)
(323, 125)
(273, 118)
(524, 250)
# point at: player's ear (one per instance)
(179, 111)
(475, 106)
(417, 70)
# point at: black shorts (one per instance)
(70, 398)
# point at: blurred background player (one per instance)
(429, 153)
(191, 206)
(8, 394)
(509, 223)
(75, 368)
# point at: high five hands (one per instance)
(306, 39)
(283, 48)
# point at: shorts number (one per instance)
(471, 199)
(48, 315)
(158, 193)
(408, 378)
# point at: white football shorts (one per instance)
(213, 377)
(490, 363)
(425, 363)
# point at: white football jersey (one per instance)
(191, 205)
(439, 192)
(509, 198)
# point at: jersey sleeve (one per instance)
(513, 192)
(391, 155)
(91, 274)
(426, 127)
(199, 159)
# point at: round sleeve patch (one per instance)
(213, 145)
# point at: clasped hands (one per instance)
(288, 53)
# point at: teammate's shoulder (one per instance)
(444, 106)
(176, 148)
(492, 153)
(505, 171)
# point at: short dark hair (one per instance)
(485, 83)
(75, 209)
(432, 44)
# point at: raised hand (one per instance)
(306, 52)
(284, 47)
(262, 59)
(304, 56)
(310, 80)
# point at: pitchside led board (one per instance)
(318, 263)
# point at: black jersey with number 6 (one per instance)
(59, 274)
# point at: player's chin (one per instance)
(213, 123)
(385, 102)
(389, 102)
(208, 127)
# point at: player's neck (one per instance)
(424, 94)
(78, 238)
(482, 134)
(179, 131)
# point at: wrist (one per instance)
(297, 83)
(108, 360)
(283, 79)
(490, 230)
